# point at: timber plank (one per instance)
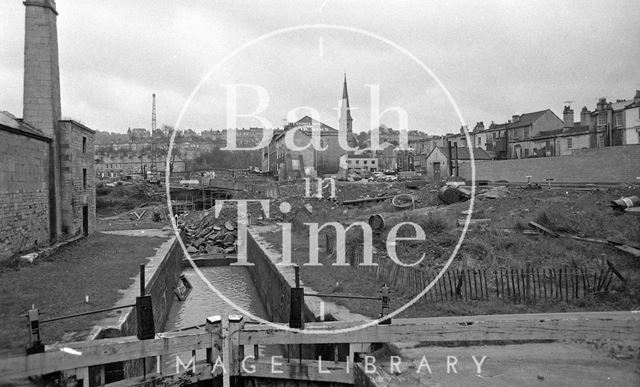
(308, 370)
(554, 326)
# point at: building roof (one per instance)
(11, 124)
(79, 125)
(463, 153)
(527, 119)
(308, 121)
(576, 129)
(548, 133)
(562, 132)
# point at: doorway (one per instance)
(85, 220)
(436, 172)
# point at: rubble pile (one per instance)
(218, 237)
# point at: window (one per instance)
(526, 152)
(569, 143)
(547, 145)
(365, 162)
(84, 177)
(84, 144)
(357, 161)
(526, 132)
(602, 119)
(619, 119)
(479, 140)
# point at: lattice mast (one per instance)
(153, 132)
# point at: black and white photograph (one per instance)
(319, 193)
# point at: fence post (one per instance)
(384, 298)
(450, 285)
(566, 284)
(214, 327)
(526, 285)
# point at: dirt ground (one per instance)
(500, 244)
(97, 266)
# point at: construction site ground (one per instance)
(85, 275)
(504, 241)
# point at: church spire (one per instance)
(345, 110)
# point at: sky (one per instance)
(494, 58)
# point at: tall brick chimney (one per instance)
(41, 98)
(585, 117)
(41, 74)
(567, 117)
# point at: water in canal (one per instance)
(233, 281)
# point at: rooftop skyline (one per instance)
(495, 58)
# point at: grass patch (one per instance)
(98, 266)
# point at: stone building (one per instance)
(143, 165)
(438, 164)
(47, 191)
(290, 164)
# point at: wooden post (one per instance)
(513, 287)
(566, 284)
(443, 289)
(214, 327)
(584, 283)
(518, 280)
(528, 274)
(533, 281)
(539, 285)
(557, 276)
(236, 323)
(508, 287)
(475, 284)
(226, 353)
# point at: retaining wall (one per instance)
(598, 165)
(275, 293)
(274, 289)
(159, 283)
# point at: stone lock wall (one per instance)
(273, 288)
(159, 284)
(24, 193)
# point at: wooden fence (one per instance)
(228, 341)
(517, 285)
